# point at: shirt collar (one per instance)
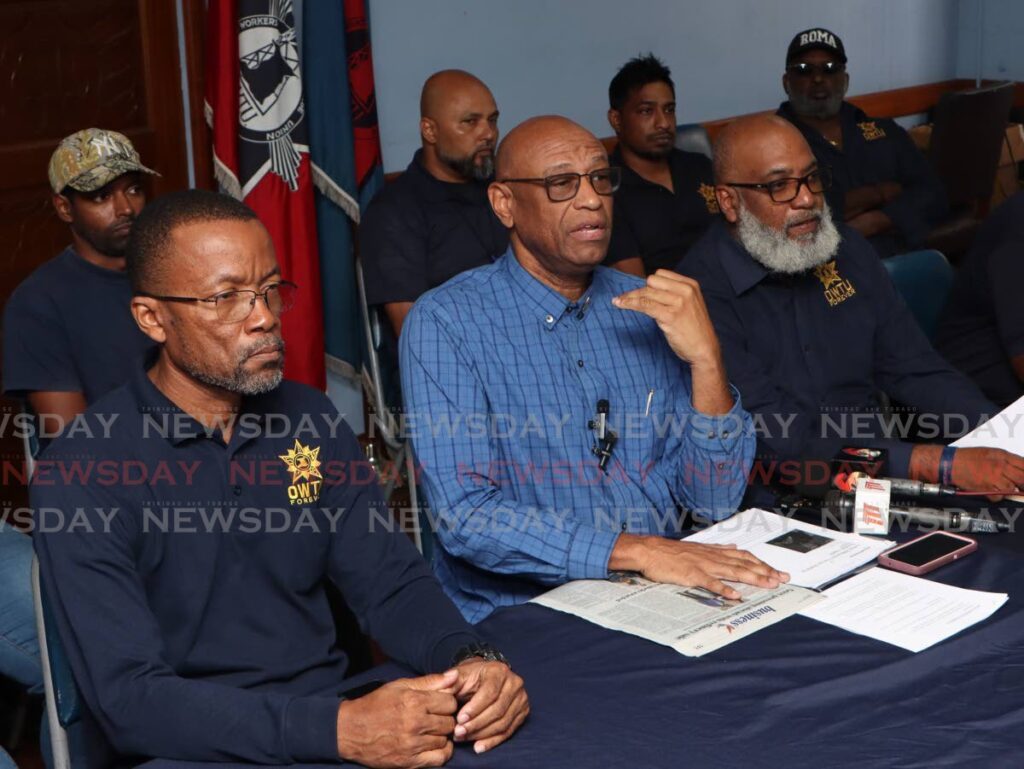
(168, 420)
(549, 305)
(744, 272)
(631, 178)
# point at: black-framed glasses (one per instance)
(806, 69)
(236, 306)
(562, 187)
(785, 190)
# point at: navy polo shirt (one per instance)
(655, 224)
(68, 328)
(982, 326)
(419, 231)
(878, 150)
(810, 352)
(187, 575)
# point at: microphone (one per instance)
(901, 487)
(606, 439)
(841, 503)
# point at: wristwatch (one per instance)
(484, 651)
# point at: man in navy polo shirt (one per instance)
(812, 328)
(883, 186)
(190, 595)
(434, 221)
(667, 197)
(68, 335)
(982, 328)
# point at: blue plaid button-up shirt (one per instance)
(501, 377)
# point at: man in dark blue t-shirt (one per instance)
(434, 221)
(69, 337)
(982, 328)
(883, 186)
(192, 605)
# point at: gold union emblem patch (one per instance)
(837, 288)
(871, 131)
(303, 462)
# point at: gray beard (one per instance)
(816, 109)
(241, 381)
(781, 253)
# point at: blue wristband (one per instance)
(946, 465)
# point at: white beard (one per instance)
(781, 253)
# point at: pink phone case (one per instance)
(969, 546)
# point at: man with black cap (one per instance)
(68, 335)
(883, 186)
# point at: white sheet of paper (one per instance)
(1003, 431)
(909, 612)
(813, 557)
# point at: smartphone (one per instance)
(927, 553)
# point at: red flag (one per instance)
(255, 109)
(366, 137)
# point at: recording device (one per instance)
(927, 553)
(606, 438)
(841, 503)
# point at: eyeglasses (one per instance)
(806, 69)
(785, 190)
(236, 306)
(562, 187)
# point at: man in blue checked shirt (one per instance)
(560, 436)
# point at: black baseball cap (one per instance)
(816, 38)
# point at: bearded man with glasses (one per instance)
(883, 186)
(568, 415)
(812, 328)
(193, 605)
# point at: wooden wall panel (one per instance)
(67, 65)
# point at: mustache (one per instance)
(799, 219)
(277, 345)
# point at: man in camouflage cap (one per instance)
(68, 334)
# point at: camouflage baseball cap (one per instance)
(92, 158)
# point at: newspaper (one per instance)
(692, 621)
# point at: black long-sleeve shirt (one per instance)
(188, 576)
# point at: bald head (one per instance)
(443, 87)
(742, 143)
(525, 143)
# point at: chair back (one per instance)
(62, 703)
(968, 132)
(924, 280)
(693, 137)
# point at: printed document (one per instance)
(691, 620)
(909, 612)
(813, 556)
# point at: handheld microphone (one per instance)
(841, 503)
(902, 487)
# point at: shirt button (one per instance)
(579, 363)
(237, 490)
(725, 434)
(711, 434)
(624, 527)
(549, 318)
(721, 465)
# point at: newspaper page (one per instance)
(813, 556)
(692, 621)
